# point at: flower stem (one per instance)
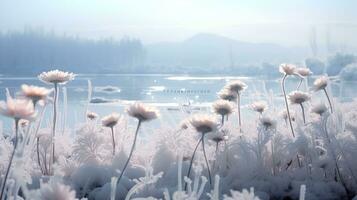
(38, 153)
(328, 99)
(52, 159)
(303, 112)
(131, 152)
(191, 162)
(113, 140)
(239, 117)
(222, 122)
(287, 105)
(204, 153)
(300, 82)
(11, 159)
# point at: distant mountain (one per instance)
(209, 50)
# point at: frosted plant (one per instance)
(34, 93)
(237, 87)
(302, 73)
(218, 137)
(287, 70)
(90, 145)
(142, 113)
(259, 106)
(110, 121)
(148, 180)
(321, 84)
(222, 108)
(244, 195)
(16, 109)
(203, 124)
(54, 190)
(319, 109)
(297, 97)
(55, 77)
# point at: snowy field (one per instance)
(178, 137)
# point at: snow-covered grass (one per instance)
(234, 157)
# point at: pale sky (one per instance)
(285, 22)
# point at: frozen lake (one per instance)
(168, 92)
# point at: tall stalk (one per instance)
(328, 99)
(113, 140)
(239, 117)
(38, 153)
(131, 152)
(52, 159)
(204, 153)
(287, 105)
(192, 157)
(300, 82)
(303, 113)
(11, 159)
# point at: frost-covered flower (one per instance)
(228, 95)
(56, 77)
(204, 123)
(259, 106)
(110, 120)
(92, 115)
(320, 83)
(56, 191)
(298, 97)
(319, 109)
(244, 195)
(267, 122)
(303, 72)
(222, 107)
(17, 108)
(287, 69)
(236, 86)
(34, 93)
(142, 112)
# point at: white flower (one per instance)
(56, 76)
(244, 195)
(228, 95)
(17, 108)
(92, 115)
(320, 83)
(259, 106)
(267, 122)
(110, 120)
(142, 112)
(56, 191)
(204, 123)
(288, 69)
(303, 72)
(236, 86)
(319, 109)
(34, 93)
(298, 97)
(222, 107)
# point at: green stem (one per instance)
(52, 159)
